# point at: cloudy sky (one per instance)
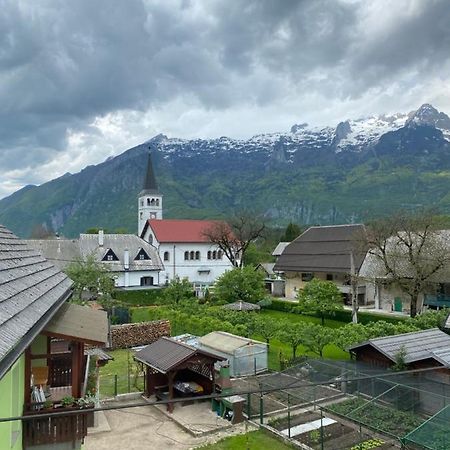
(83, 80)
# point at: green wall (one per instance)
(11, 404)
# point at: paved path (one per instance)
(147, 428)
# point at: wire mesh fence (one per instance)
(357, 407)
(113, 385)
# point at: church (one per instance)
(184, 249)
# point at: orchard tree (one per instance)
(178, 290)
(316, 338)
(319, 297)
(410, 252)
(267, 328)
(91, 278)
(245, 284)
(234, 237)
(292, 334)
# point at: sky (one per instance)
(84, 80)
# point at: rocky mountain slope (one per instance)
(357, 170)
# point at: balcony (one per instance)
(54, 428)
(439, 300)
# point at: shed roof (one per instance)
(226, 342)
(174, 230)
(165, 354)
(79, 323)
(242, 306)
(419, 345)
(323, 249)
(31, 291)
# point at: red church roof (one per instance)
(173, 230)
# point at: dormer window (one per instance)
(110, 256)
(142, 255)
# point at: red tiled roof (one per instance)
(173, 230)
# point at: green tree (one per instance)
(91, 279)
(350, 334)
(319, 297)
(178, 290)
(267, 328)
(246, 284)
(292, 334)
(315, 338)
(292, 231)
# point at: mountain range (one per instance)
(355, 171)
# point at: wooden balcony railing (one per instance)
(55, 428)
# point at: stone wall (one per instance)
(135, 334)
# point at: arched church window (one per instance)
(186, 256)
(192, 255)
(148, 202)
(214, 256)
(209, 254)
(197, 255)
(166, 256)
(219, 254)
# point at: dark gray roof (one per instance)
(242, 306)
(419, 345)
(166, 353)
(31, 291)
(323, 249)
(62, 252)
(150, 187)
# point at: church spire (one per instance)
(150, 187)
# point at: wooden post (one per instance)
(170, 405)
(76, 369)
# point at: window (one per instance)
(219, 254)
(148, 202)
(146, 281)
(307, 276)
(157, 202)
(142, 255)
(166, 256)
(192, 254)
(186, 256)
(142, 202)
(209, 254)
(197, 255)
(214, 255)
(329, 277)
(110, 256)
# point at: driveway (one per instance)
(146, 427)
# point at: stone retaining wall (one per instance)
(135, 334)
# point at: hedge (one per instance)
(345, 315)
(144, 297)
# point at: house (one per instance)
(325, 253)
(387, 295)
(133, 261)
(273, 282)
(35, 319)
(182, 245)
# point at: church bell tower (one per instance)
(150, 200)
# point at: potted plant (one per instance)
(67, 401)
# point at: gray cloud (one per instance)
(193, 67)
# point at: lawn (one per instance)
(122, 365)
(254, 440)
(295, 318)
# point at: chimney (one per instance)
(100, 238)
(126, 259)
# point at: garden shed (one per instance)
(245, 356)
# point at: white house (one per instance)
(133, 261)
(181, 244)
(185, 250)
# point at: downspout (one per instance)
(174, 270)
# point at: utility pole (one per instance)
(354, 289)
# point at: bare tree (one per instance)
(411, 251)
(234, 237)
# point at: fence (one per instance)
(357, 407)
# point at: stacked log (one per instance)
(136, 334)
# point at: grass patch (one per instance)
(145, 297)
(254, 440)
(295, 318)
(123, 366)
